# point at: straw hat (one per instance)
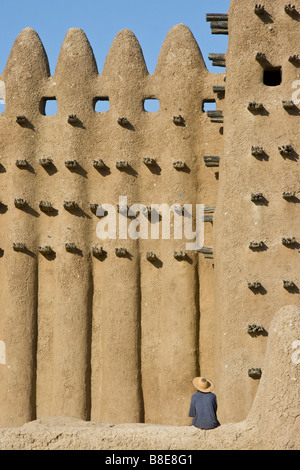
(203, 385)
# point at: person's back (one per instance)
(203, 408)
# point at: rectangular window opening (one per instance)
(101, 104)
(151, 105)
(48, 106)
(209, 105)
(2, 106)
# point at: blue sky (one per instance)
(101, 21)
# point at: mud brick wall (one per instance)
(115, 339)
(260, 69)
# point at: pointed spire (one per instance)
(26, 70)
(125, 57)
(76, 54)
(180, 53)
(27, 59)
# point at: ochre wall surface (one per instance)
(106, 339)
(119, 339)
(272, 424)
(238, 220)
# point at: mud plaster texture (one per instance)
(238, 220)
(84, 326)
(272, 424)
(118, 340)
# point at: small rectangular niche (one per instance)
(101, 104)
(151, 105)
(272, 76)
(209, 105)
(48, 106)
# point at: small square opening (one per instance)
(151, 105)
(101, 104)
(272, 76)
(48, 106)
(209, 105)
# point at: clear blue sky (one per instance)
(101, 20)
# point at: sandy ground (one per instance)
(72, 434)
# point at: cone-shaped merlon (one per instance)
(180, 52)
(125, 57)
(76, 54)
(27, 59)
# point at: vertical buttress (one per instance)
(170, 310)
(65, 369)
(116, 383)
(26, 69)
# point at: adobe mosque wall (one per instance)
(114, 330)
(256, 234)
